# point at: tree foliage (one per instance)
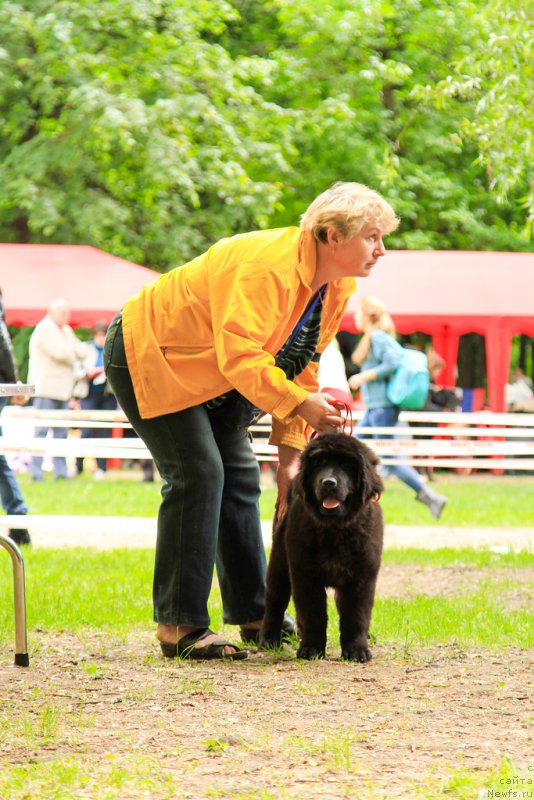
(125, 127)
(150, 128)
(499, 78)
(366, 81)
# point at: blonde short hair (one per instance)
(347, 207)
(378, 314)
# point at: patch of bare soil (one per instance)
(270, 724)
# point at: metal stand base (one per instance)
(19, 590)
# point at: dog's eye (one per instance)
(348, 466)
(319, 462)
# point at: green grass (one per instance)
(78, 589)
(474, 501)
(73, 589)
(472, 620)
(81, 590)
(120, 496)
(463, 784)
(72, 779)
(480, 500)
(57, 779)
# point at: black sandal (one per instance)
(289, 629)
(185, 648)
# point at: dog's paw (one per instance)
(270, 642)
(310, 653)
(357, 653)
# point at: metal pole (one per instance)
(19, 592)
(19, 586)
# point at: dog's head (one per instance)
(338, 476)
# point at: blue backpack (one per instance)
(409, 385)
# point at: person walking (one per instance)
(54, 365)
(10, 492)
(378, 357)
(199, 355)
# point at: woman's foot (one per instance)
(251, 630)
(170, 634)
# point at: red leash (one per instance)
(347, 426)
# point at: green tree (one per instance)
(151, 128)
(364, 82)
(498, 76)
(126, 126)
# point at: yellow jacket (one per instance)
(217, 322)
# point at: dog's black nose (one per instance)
(329, 483)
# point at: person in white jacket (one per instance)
(55, 357)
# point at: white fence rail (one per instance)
(480, 440)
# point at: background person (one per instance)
(97, 394)
(518, 394)
(377, 355)
(201, 353)
(10, 493)
(55, 355)
(439, 398)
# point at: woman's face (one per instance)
(356, 256)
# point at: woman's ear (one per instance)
(332, 237)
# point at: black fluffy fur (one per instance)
(331, 536)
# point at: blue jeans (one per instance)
(59, 462)
(10, 494)
(387, 417)
(209, 512)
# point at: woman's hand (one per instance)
(20, 399)
(320, 412)
(355, 381)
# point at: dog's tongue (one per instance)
(330, 502)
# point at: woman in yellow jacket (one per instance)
(202, 352)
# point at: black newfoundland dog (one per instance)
(331, 536)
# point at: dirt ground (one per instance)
(272, 727)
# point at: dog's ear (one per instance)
(372, 483)
(378, 483)
(297, 483)
(303, 482)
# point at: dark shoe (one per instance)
(289, 629)
(434, 501)
(20, 536)
(185, 648)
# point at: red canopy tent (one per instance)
(449, 293)
(95, 284)
(442, 293)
